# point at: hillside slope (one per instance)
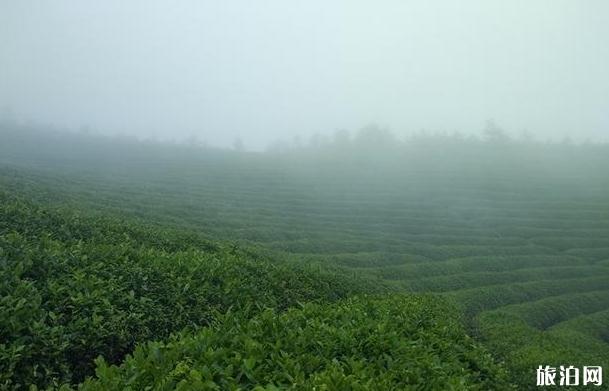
(516, 234)
(74, 287)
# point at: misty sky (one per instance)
(264, 70)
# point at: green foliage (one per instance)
(517, 234)
(477, 300)
(73, 288)
(468, 280)
(524, 347)
(549, 311)
(395, 343)
(539, 332)
(590, 326)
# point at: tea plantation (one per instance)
(443, 263)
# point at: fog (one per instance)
(268, 70)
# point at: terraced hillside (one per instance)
(517, 234)
(79, 294)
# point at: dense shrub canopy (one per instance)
(73, 288)
(514, 233)
(365, 343)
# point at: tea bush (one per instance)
(363, 343)
(73, 288)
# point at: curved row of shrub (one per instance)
(74, 287)
(486, 278)
(476, 300)
(524, 348)
(500, 221)
(362, 343)
(472, 264)
(549, 311)
(594, 326)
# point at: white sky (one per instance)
(263, 70)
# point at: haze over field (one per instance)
(262, 71)
(304, 195)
